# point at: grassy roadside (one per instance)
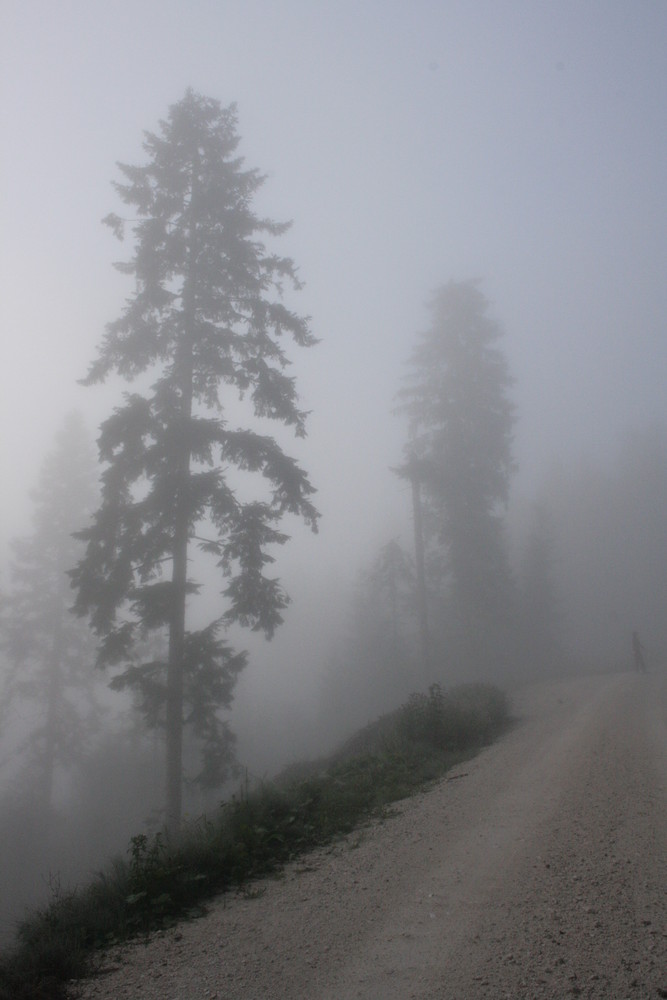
(254, 834)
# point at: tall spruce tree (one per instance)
(207, 314)
(459, 450)
(48, 651)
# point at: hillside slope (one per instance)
(538, 869)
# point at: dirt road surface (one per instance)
(538, 869)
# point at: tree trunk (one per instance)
(422, 606)
(54, 674)
(174, 770)
(393, 597)
(176, 666)
(48, 760)
(179, 579)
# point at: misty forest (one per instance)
(149, 585)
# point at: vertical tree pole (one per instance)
(422, 606)
(182, 461)
(175, 666)
(393, 599)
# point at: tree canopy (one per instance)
(459, 450)
(207, 314)
(48, 651)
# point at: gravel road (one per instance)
(537, 870)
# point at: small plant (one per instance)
(152, 875)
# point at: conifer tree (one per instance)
(541, 617)
(48, 651)
(391, 589)
(207, 323)
(460, 448)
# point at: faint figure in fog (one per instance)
(638, 651)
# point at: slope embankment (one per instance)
(536, 870)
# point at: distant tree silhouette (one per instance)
(460, 450)
(541, 617)
(390, 588)
(374, 666)
(611, 572)
(49, 652)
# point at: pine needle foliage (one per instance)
(48, 651)
(459, 452)
(206, 328)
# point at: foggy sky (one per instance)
(411, 144)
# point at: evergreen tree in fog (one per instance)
(460, 452)
(541, 614)
(49, 652)
(390, 589)
(206, 314)
(373, 669)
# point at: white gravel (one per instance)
(538, 870)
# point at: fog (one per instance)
(520, 144)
